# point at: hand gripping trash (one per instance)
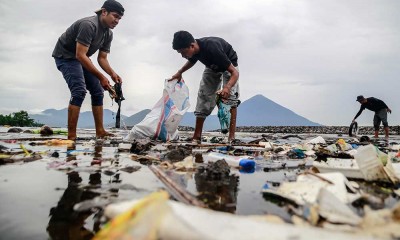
(224, 114)
(118, 96)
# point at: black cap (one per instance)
(112, 6)
(359, 98)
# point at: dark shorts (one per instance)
(380, 116)
(79, 80)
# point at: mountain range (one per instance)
(256, 111)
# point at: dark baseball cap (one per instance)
(359, 98)
(112, 6)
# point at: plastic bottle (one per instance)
(233, 161)
(370, 164)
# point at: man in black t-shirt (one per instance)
(221, 64)
(380, 108)
(71, 54)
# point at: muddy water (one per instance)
(37, 201)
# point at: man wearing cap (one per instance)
(71, 53)
(221, 63)
(380, 108)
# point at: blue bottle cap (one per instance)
(247, 164)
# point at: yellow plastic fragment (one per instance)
(55, 142)
(25, 150)
(138, 222)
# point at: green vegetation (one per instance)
(19, 119)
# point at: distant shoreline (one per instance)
(344, 130)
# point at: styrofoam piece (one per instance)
(334, 210)
(124, 147)
(348, 167)
(317, 140)
(307, 187)
(267, 145)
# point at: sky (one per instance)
(312, 57)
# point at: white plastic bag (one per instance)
(163, 120)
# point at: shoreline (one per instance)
(344, 130)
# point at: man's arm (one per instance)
(226, 91)
(105, 65)
(81, 51)
(359, 113)
(386, 106)
(185, 67)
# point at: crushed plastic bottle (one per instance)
(233, 161)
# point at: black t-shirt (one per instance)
(215, 53)
(372, 104)
(87, 31)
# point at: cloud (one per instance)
(310, 57)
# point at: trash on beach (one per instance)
(6, 159)
(370, 162)
(186, 164)
(317, 140)
(383, 223)
(212, 175)
(367, 165)
(348, 167)
(242, 162)
(334, 210)
(296, 153)
(307, 187)
(16, 155)
(267, 145)
(156, 217)
(144, 158)
(124, 147)
(54, 142)
(343, 145)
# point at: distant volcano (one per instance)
(256, 111)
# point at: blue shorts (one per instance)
(79, 80)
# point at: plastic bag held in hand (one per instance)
(224, 114)
(163, 120)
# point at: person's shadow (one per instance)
(65, 223)
(218, 189)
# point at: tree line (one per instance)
(19, 119)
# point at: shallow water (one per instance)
(37, 201)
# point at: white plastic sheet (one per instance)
(173, 220)
(163, 120)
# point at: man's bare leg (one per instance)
(376, 135)
(73, 116)
(232, 126)
(98, 122)
(386, 132)
(198, 128)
